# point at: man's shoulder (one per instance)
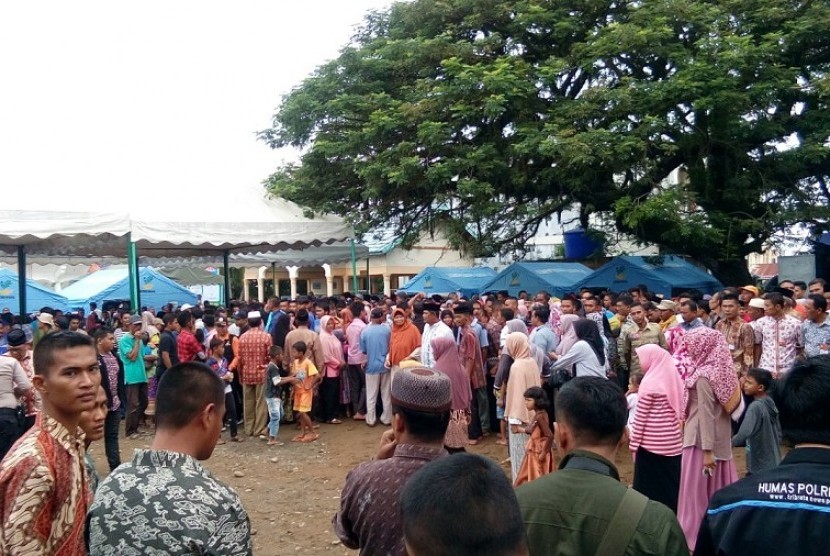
(26, 458)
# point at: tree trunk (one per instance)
(733, 272)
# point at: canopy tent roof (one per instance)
(661, 274)
(188, 276)
(436, 279)
(338, 252)
(113, 283)
(37, 296)
(555, 278)
(256, 222)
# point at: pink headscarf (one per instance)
(709, 358)
(569, 337)
(448, 362)
(661, 377)
(332, 348)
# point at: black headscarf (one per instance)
(587, 331)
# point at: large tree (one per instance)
(489, 116)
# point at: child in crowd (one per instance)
(277, 378)
(219, 364)
(632, 396)
(538, 458)
(307, 376)
(760, 430)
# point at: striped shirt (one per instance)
(656, 427)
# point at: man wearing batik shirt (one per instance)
(44, 490)
(469, 351)
(816, 329)
(254, 346)
(778, 337)
(164, 501)
(739, 335)
(369, 516)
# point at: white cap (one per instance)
(254, 315)
(756, 303)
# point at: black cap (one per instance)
(16, 337)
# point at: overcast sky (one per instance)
(157, 99)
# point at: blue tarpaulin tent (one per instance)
(555, 278)
(114, 284)
(37, 296)
(443, 280)
(663, 274)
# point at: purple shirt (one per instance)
(112, 372)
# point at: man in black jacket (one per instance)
(112, 379)
(787, 508)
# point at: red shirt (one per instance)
(188, 346)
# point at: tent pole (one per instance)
(21, 279)
(368, 279)
(227, 276)
(274, 279)
(132, 264)
(354, 267)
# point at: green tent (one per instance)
(187, 276)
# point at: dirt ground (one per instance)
(291, 492)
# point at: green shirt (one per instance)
(568, 512)
(634, 338)
(134, 372)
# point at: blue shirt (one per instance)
(374, 342)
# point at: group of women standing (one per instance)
(681, 435)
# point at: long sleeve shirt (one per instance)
(708, 426)
(760, 432)
(656, 427)
(582, 355)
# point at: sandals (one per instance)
(334, 422)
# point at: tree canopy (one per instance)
(490, 116)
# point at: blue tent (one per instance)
(37, 296)
(114, 284)
(443, 280)
(555, 278)
(663, 274)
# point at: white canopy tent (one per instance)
(250, 222)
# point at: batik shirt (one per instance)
(780, 340)
(369, 516)
(741, 339)
(44, 492)
(816, 337)
(254, 346)
(166, 503)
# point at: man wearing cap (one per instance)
(369, 515)
(45, 325)
(21, 350)
(374, 342)
(130, 350)
(778, 337)
(745, 295)
(738, 334)
(434, 327)
(668, 314)
(254, 348)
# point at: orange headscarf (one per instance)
(405, 339)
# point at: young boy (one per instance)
(307, 376)
(219, 364)
(277, 378)
(760, 431)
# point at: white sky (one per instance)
(155, 101)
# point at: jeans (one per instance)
(274, 414)
(136, 404)
(230, 412)
(357, 388)
(380, 383)
(111, 426)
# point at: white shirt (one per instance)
(432, 331)
(582, 355)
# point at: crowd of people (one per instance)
(559, 383)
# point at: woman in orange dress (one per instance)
(538, 458)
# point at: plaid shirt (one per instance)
(188, 346)
(253, 359)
